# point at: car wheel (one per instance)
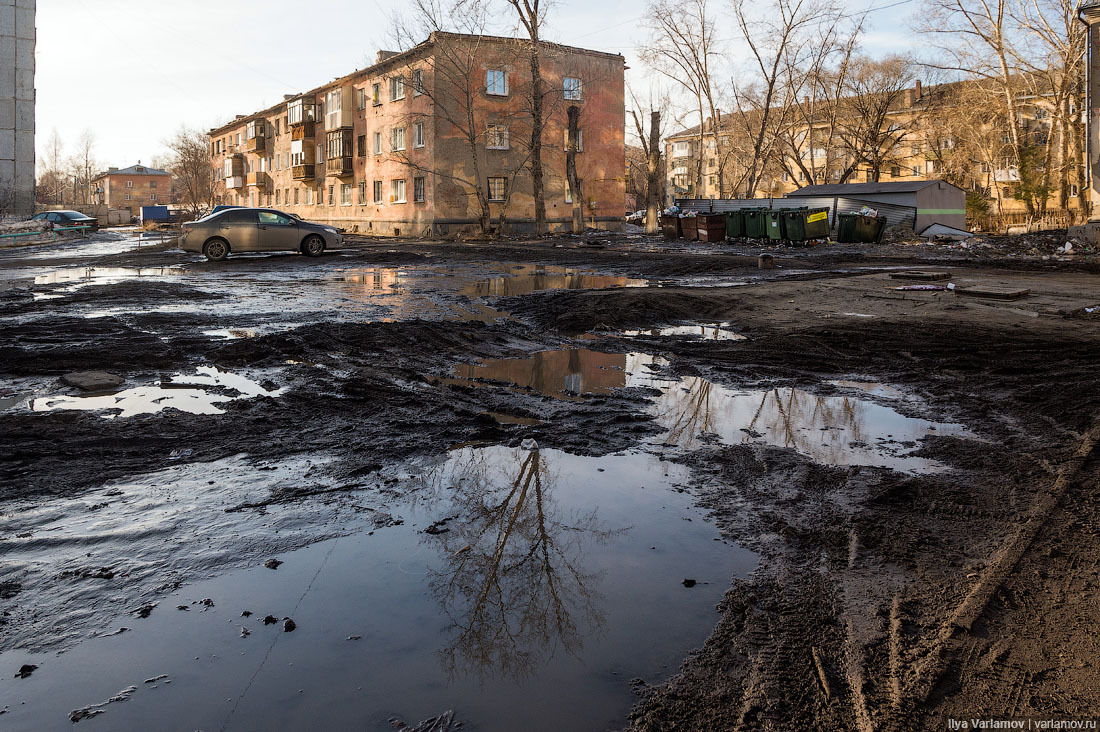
(313, 246)
(216, 249)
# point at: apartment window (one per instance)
(152, 196)
(332, 195)
(297, 191)
(915, 171)
(418, 190)
(362, 192)
(378, 191)
(345, 194)
(496, 137)
(129, 197)
(1072, 191)
(360, 98)
(496, 82)
(418, 83)
(580, 140)
(309, 196)
(376, 94)
(397, 88)
(496, 188)
(276, 197)
(377, 143)
(361, 146)
(152, 184)
(418, 134)
(397, 190)
(129, 184)
(784, 177)
(572, 88)
(397, 138)
(714, 180)
(895, 172)
(568, 195)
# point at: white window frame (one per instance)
(376, 190)
(397, 88)
(496, 82)
(398, 191)
(418, 82)
(572, 88)
(397, 139)
(496, 137)
(345, 194)
(420, 188)
(377, 143)
(418, 134)
(130, 183)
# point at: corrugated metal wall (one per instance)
(895, 215)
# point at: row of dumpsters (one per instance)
(784, 224)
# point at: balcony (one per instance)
(339, 167)
(303, 131)
(302, 172)
(234, 181)
(259, 180)
(256, 144)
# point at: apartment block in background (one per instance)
(390, 149)
(17, 37)
(133, 187)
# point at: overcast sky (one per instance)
(134, 71)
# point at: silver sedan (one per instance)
(256, 230)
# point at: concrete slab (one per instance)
(993, 292)
(918, 274)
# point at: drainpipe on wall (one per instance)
(1088, 12)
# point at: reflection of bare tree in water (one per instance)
(694, 413)
(800, 410)
(510, 581)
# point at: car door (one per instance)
(238, 227)
(277, 231)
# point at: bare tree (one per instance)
(189, 165)
(683, 47)
(83, 167)
(452, 78)
(531, 15)
(810, 141)
(52, 176)
(871, 128)
(780, 39)
(651, 147)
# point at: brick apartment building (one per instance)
(133, 187)
(415, 143)
(922, 153)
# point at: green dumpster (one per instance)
(806, 223)
(755, 225)
(775, 224)
(854, 228)
(794, 223)
(735, 225)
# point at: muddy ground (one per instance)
(883, 599)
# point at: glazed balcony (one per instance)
(303, 131)
(302, 172)
(339, 167)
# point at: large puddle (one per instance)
(700, 331)
(523, 279)
(524, 591)
(198, 393)
(834, 430)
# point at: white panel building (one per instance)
(17, 37)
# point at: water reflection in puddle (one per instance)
(834, 430)
(103, 275)
(702, 331)
(525, 279)
(516, 593)
(186, 393)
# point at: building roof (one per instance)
(394, 59)
(852, 189)
(134, 170)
